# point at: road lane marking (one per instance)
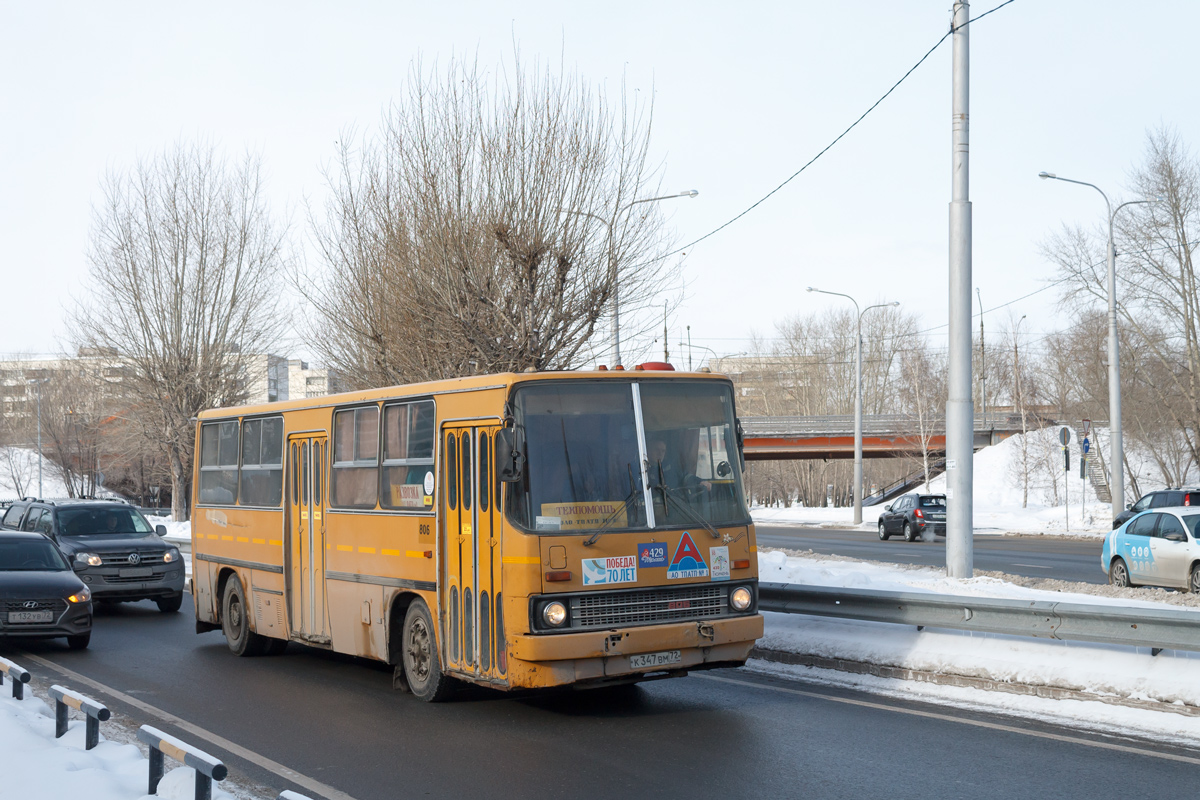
(1033, 566)
(287, 773)
(995, 726)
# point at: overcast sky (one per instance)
(744, 94)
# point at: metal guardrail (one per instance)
(208, 768)
(1165, 629)
(96, 713)
(17, 674)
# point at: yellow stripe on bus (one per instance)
(260, 541)
(370, 550)
(274, 542)
(415, 553)
(345, 548)
(753, 548)
(227, 538)
(522, 559)
(390, 552)
(243, 540)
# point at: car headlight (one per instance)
(91, 559)
(171, 555)
(554, 614)
(741, 598)
(81, 596)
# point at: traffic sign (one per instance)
(1087, 445)
(1087, 427)
(1064, 436)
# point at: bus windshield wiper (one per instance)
(669, 494)
(612, 518)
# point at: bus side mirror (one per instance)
(510, 463)
(741, 442)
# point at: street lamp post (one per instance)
(612, 265)
(1116, 450)
(39, 382)
(858, 468)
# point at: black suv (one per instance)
(1160, 499)
(912, 515)
(111, 546)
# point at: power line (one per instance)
(839, 137)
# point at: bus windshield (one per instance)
(584, 465)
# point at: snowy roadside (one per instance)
(36, 766)
(1166, 681)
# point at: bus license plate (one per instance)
(30, 616)
(655, 659)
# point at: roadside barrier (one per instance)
(288, 794)
(1157, 629)
(18, 675)
(64, 698)
(208, 768)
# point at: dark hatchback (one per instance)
(40, 596)
(116, 552)
(912, 515)
(1163, 498)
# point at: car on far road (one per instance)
(40, 596)
(1163, 498)
(912, 515)
(117, 553)
(1155, 548)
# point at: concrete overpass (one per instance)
(884, 435)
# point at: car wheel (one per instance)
(909, 534)
(883, 534)
(1118, 574)
(1194, 583)
(79, 642)
(169, 605)
(422, 666)
(235, 622)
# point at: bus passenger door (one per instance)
(307, 455)
(492, 655)
(460, 548)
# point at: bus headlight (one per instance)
(741, 598)
(554, 614)
(91, 559)
(170, 555)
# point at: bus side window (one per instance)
(466, 470)
(484, 474)
(318, 468)
(451, 471)
(295, 473)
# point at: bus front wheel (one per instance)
(235, 622)
(421, 663)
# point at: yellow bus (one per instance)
(514, 531)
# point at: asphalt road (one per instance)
(1035, 557)
(727, 733)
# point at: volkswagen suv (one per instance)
(113, 549)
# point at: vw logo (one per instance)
(30, 604)
(134, 558)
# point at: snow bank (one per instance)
(1102, 670)
(36, 766)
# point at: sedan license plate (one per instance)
(655, 659)
(136, 572)
(30, 616)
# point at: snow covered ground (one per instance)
(1166, 681)
(998, 496)
(36, 766)
(19, 476)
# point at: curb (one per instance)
(949, 679)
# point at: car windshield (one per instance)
(114, 521)
(31, 556)
(1193, 525)
(583, 455)
(933, 502)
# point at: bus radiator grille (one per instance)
(614, 609)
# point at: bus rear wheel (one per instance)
(422, 666)
(235, 622)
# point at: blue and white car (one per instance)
(1156, 548)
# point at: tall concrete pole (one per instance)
(960, 410)
(40, 495)
(858, 436)
(1116, 450)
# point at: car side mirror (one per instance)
(1175, 536)
(78, 566)
(160, 530)
(1129, 506)
(510, 461)
(888, 507)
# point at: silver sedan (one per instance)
(1156, 548)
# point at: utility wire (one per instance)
(840, 136)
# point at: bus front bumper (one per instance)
(618, 645)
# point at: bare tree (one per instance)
(183, 286)
(487, 228)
